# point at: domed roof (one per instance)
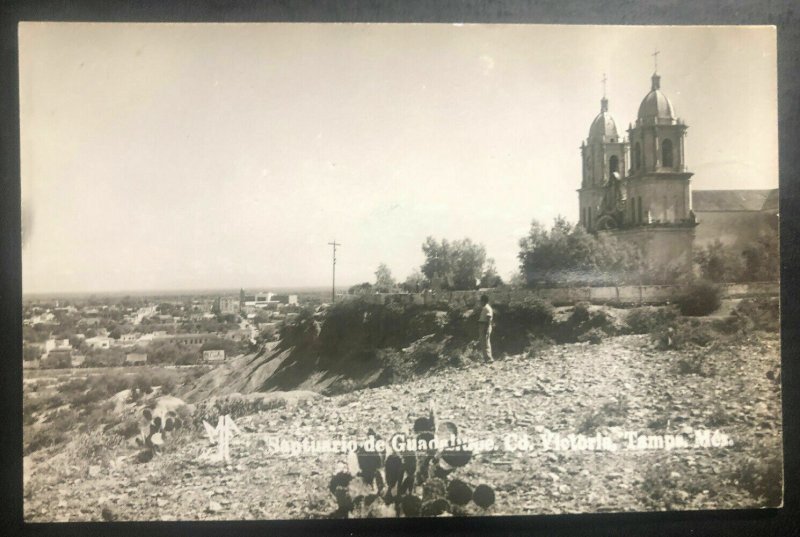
(603, 125)
(655, 104)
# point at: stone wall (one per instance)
(623, 295)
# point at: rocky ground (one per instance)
(622, 384)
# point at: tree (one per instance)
(361, 289)
(569, 255)
(517, 280)
(453, 265)
(31, 352)
(490, 276)
(762, 260)
(384, 283)
(718, 263)
(415, 282)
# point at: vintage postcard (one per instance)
(299, 271)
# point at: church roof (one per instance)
(655, 104)
(603, 125)
(734, 200)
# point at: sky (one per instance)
(191, 156)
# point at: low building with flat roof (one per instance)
(136, 358)
(216, 355)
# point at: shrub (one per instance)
(684, 334)
(762, 477)
(516, 325)
(701, 298)
(719, 263)
(74, 385)
(53, 432)
(42, 438)
(168, 386)
(129, 428)
(646, 320)
(593, 336)
(760, 313)
(585, 324)
(91, 396)
(343, 386)
(142, 384)
(660, 490)
(109, 383)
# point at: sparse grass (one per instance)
(610, 414)
(235, 407)
(80, 404)
(758, 476)
(762, 477)
(696, 363)
(720, 416)
(659, 423)
(343, 386)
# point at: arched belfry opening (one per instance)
(666, 154)
(613, 165)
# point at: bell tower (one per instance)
(658, 182)
(657, 214)
(604, 163)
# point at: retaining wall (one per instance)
(623, 295)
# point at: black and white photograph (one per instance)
(294, 271)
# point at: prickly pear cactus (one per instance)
(155, 430)
(413, 483)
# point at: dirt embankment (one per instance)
(358, 345)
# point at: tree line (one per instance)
(568, 255)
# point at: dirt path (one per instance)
(617, 386)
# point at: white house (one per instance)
(99, 342)
(56, 344)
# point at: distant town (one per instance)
(112, 331)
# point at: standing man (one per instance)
(485, 328)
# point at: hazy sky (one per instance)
(164, 156)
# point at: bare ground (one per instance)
(621, 384)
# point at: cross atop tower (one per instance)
(604, 85)
(655, 60)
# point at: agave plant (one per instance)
(412, 483)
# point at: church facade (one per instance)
(638, 187)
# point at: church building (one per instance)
(638, 188)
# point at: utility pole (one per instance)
(333, 288)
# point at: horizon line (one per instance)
(179, 291)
